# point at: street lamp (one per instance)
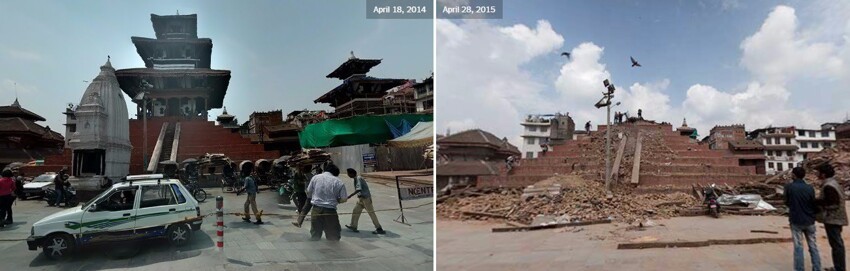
(606, 102)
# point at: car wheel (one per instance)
(179, 234)
(58, 246)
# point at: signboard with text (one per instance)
(416, 192)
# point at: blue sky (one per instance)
(697, 62)
(278, 51)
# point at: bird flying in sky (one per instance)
(566, 55)
(634, 62)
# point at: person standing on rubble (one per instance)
(800, 199)
(833, 214)
(587, 127)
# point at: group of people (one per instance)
(619, 116)
(320, 197)
(804, 209)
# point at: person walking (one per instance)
(800, 199)
(7, 196)
(299, 188)
(307, 206)
(364, 201)
(833, 214)
(250, 187)
(326, 191)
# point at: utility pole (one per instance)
(144, 85)
(606, 102)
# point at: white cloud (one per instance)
(776, 55)
(581, 78)
(25, 55)
(11, 87)
(777, 52)
(482, 83)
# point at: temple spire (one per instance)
(684, 122)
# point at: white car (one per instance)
(37, 185)
(141, 207)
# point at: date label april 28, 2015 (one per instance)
(472, 9)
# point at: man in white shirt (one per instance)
(326, 190)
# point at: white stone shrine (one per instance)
(101, 143)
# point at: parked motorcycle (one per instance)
(69, 196)
(711, 201)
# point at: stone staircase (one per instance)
(667, 159)
(167, 142)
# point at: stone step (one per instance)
(688, 179)
(685, 168)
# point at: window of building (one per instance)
(769, 164)
(827, 145)
(824, 133)
(790, 165)
(529, 155)
(529, 141)
(776, 140)
(815, 145)
(811, 133)
(544, 129)
(532, 128)
(801, 133)
(790, 153)
(769, 153)
(779, 166)
(788, 141)
(804, 144)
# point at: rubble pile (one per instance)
(579, 200)
(309, 157)
(838, 156)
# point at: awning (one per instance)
(420, 135)
(355, 130)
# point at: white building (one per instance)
(780, 148)
(814, 140)
(786, 147)
(424, 95)
(535, 132)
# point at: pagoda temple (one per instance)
(21, 139)
(360, 94)
(177, 77)
(179, 88)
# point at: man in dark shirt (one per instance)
(833, 215)
(800, 199)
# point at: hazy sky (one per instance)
(278, 51)
(715, 62)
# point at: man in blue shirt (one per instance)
(364, 202)
(251, 188)
(800, 199)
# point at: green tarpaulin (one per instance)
(355, 130)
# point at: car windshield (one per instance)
(44, 178)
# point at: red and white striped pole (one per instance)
(219, 214)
